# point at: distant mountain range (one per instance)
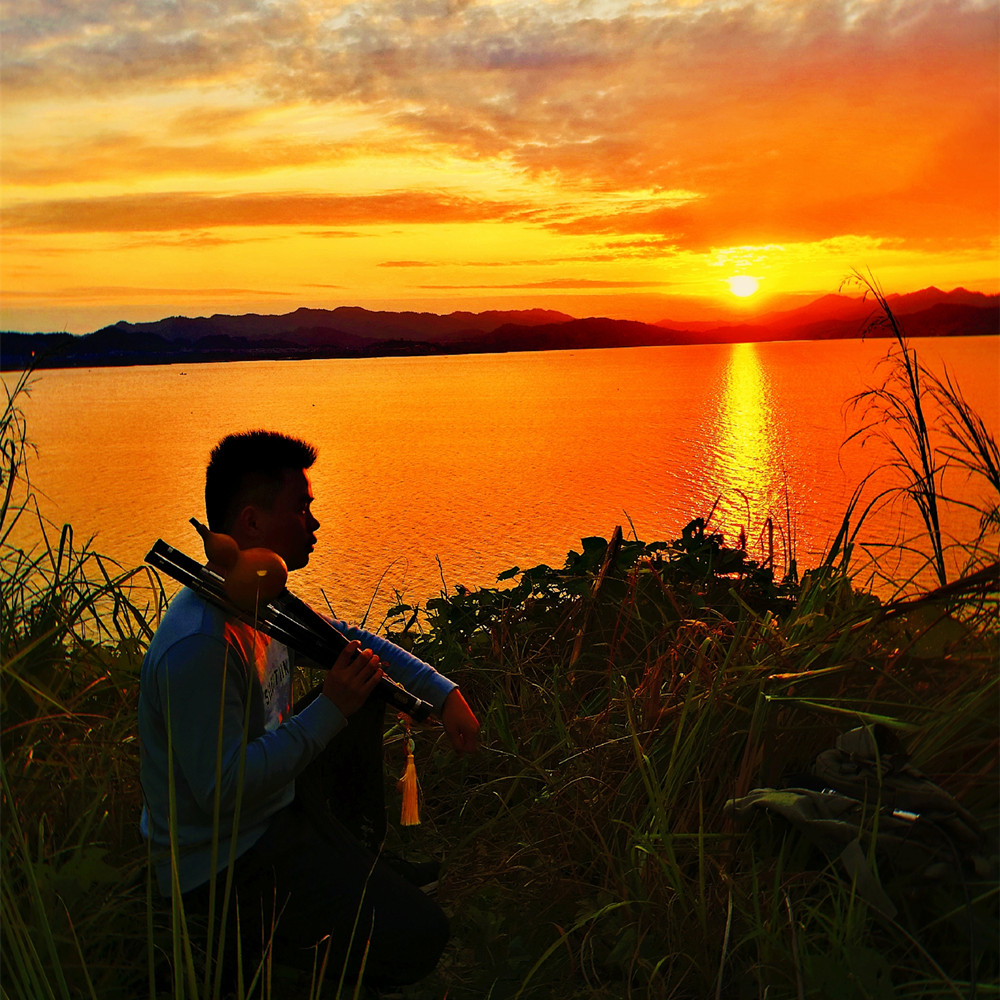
(354, 332)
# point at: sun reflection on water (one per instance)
(746, 459)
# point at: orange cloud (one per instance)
(117, 156)
(183, 211)
(67, 48)
(106, 293)
(577, 283)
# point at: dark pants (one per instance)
(314, 878)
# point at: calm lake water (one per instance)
(457, 468)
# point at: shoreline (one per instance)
(37, 362)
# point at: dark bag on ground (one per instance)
(864, 796)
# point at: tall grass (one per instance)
(626, 696)
(73, 625)
(599, 808)
(939, 451)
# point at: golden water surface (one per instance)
(439, 471)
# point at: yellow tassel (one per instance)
(410, 815)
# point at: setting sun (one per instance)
(743, 285)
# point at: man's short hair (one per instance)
(249, 467)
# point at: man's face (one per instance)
(289, 527)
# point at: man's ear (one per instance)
(248, 525)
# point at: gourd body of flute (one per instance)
(250, 577)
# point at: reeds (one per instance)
(939, 451)
(591, 851)
(626, 697)
(73, 625)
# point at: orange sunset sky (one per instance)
(603, 157)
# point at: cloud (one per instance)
(186, 240)
(535, 82)
(116, 156)
(180, 211)
(63, 47)
(577, 283)
(336, 234)
(118, 293)
(792, 121)
(617, 249)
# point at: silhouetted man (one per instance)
(291, 799)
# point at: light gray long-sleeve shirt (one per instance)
(205, 679)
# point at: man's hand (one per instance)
(352, 678)
(459, 723)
